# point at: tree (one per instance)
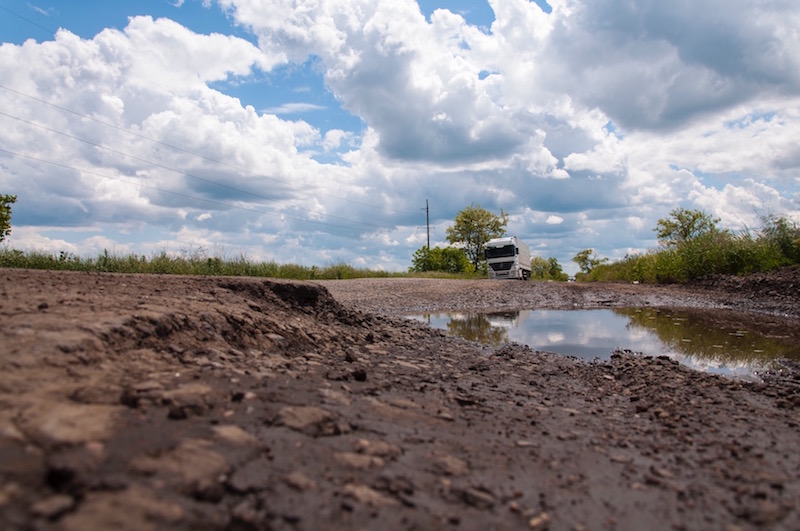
(449, 260)
(5, 214)
(546, 269)
(587, 260)
(473, 227)
(683, 225)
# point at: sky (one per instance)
(315, 132)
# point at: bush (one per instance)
(710, 252)
(447, 260)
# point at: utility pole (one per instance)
(428, 223)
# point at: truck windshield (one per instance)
(499, 252)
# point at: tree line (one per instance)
(692, 245)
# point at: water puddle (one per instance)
(694, 339)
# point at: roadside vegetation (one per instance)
(196, 263)
(692, 246)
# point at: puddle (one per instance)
(589, 334)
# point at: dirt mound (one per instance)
(780, 289)
(147, 402)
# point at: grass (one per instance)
(777, 244)
(194, 264)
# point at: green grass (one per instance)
(776, 245)
(195, 264)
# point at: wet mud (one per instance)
(153, 402)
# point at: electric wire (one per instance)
(178, 194)
(190, 152)
(173, 147)
(168, 168)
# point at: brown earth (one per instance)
(152, 402)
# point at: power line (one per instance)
(29, 21)
(178, 194)
(173, 147)
(189, 152)
(168, 168)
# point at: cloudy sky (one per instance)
(314, 131)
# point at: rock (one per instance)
(192, 464)
(53, 506)
(451, 466)
(311, 420)
(134, 509)
(235, 435)
(377, 448)
(358, 461)
(64, 423)
(477, 497)
(368, 495)
(300, 481)
(540, 521)
(252, 476)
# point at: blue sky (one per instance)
(314, 132)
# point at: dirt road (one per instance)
(152, 402)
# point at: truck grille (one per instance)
(501, 266)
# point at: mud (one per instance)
(152, 402)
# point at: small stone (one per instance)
(300, 481)
(452, 466)
(621, 458)
(478, 498)
(368, 495)
(310, 420)
(377, 448)
(53, 506)
(661, 472)
(235, 435)
(539, 521)
(251, 476)
(358, 461)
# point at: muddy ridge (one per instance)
(152, 402)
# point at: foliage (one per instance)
(195, 264)
(708, 252)
(547, 269)
(683, 225)
(448, 260)
(784, 235)
(587, 260)
(5, 214)
(473, 227)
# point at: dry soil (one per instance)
(153, 402)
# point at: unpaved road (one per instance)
(153, 402)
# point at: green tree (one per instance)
(587, 260)
(449, 260)
(473, 227)
(683, 225)
(547, 269)
(5, 214)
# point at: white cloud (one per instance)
(586, 125)
(293, 108)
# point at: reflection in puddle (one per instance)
(593, 334)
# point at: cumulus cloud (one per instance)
(586, 123)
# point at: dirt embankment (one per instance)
(143, 402)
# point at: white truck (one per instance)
(508, 258)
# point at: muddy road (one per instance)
(153, 402)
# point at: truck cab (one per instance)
(508, 258)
